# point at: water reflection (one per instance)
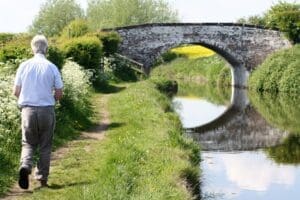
(247, 175)
(242, 130)
(195, 111)
(251, 150)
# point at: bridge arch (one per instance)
(239, 73)
(243, 46)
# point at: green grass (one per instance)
(212, 70)
(144, 154)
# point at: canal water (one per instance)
(250, 143)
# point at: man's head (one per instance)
(39, 44)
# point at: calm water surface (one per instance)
(250, 149)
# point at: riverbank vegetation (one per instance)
(212, 70)
(279, 73)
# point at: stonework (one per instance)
(243, 46)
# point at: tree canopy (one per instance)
(113, 13)
(286, 17)
(283, 16)
(54, 15)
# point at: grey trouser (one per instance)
(37, 131)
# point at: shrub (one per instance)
(119, 69)
(5, 37)
(110, 41)
(16, 48)
(169, 56)
(86, 51)
(76, 28)
(75, 107)
(290, 81)
(280, 72)
(56, 56)
(168, 87)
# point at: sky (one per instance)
(17, 15)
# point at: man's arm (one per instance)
(58, 93)
(17, 90)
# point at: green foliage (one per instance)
(9, 131)
(107, 14)
(283, 16)
(54, 15)
(280, 72)
(254, 20)
(56, 56)
(16, 48)
(206, 69)
(168, 87)
(5, 37)
(76, 28)
(169, 56)
(110, 41)
(75, 103)
(224, 77)
(86, 51)
(286, 17)
(290, 81)
(119, 69)
(166, 57)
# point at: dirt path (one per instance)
(95, 133)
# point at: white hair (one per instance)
(39, 44)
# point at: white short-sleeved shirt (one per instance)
(37, 78)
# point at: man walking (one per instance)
(37, 85)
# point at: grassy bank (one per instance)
(212, 70)
(144, 155)
(280, 72)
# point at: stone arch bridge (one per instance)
(243, 46)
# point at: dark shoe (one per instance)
(43, 183)
(24, 178)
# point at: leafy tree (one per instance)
(112, 13)
(283, 16)
(254, 20)
(54, 15)
(76, 28)
(286, 17)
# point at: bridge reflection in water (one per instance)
(240, 127)
(245, 157)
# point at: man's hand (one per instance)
(17, 91)
(58, 93)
